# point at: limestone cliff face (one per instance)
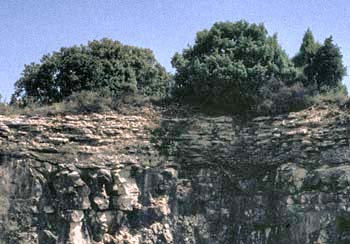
(153, 178)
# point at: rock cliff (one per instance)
(156, 178)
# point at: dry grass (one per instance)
(85, 102)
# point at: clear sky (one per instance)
(32, 28)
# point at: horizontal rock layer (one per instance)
(152, 178)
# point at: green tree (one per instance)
(228, 64)
(307, 51)
(99, 65)
(326, 69)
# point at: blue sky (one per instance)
(32, 28)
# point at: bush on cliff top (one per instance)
(84, 102)
(233, 67)
(228, 64)
(239, 68)
(321, 66)
(99, 65)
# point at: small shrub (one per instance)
(6, 109)
(337, 96)
(78, 103)
(87, 102)
(83, 102)
(275, 98)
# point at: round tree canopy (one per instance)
(229, 63)
(104, 64)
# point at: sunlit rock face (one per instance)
(156, 178)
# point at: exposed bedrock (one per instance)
(151, 178)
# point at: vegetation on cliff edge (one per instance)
(234, 67)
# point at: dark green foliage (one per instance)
(320, 65)
(275, 97)
(326, 68)
(100, 65)
(233, 67)
(307, 50)
(343, 224)
(304, 58)
(228, 64)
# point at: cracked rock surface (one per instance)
(156, 178)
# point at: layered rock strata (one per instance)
(113, 178)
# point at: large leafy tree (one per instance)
(326, 68)
(229, 63)
(99, 65)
